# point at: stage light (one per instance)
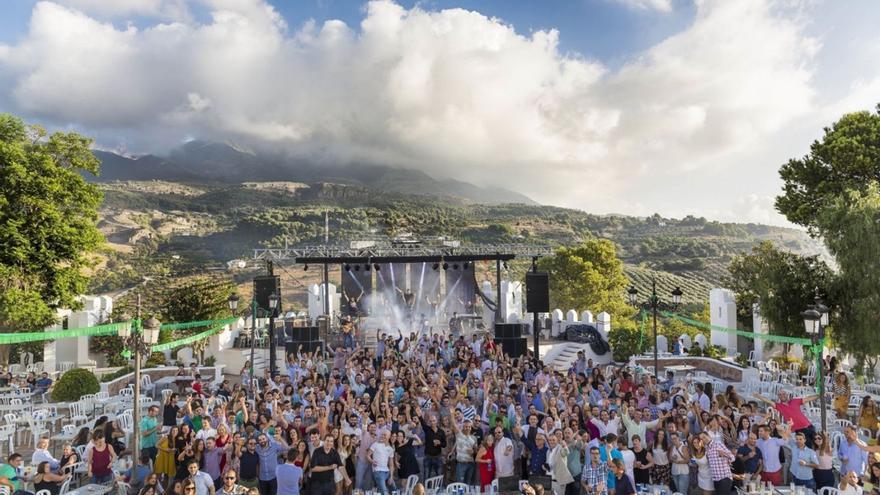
(347, 267)
(376, 266)
(505, 266)
(466, 265)
(357, 268)
(305, 268)
(455, 266)
(446, 266)
(435, 266)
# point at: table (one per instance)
(180, 381)
(91, 489)
(680, 368)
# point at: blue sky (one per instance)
(632, 106)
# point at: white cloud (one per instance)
(164, 9)
(658, 5)
(451, 92)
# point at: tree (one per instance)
(851, 231)
(196, 299)
(782, 283)
(847, 158)
(48, 214)
(589, 276)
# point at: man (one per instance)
(324, 462)
(229, 486)
(701, 398)
(207, 430)
(203, 481)
(635, 426)
(852, 458)
(751, 458)
(623, 486)
(212, 459)
(363, 472)
(769, 448)
(719, 458)
(435, 442)
(594, 475)
(269, 450)
(43, 384)
(465, 449)
(41, 453)
(149, 432)
(249, 465)
(137, 475)
(289, 475)
(803, 462)
(504, 465)
(381, 456)
(790, 409)
(314, 441)
(10, 475)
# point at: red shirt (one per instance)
(625, 386)
(792, 410)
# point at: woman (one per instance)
(45, 479)
(849, 484)
(82, 437)
(114, 436)
(704, 476)
(679, 457)
(486, 461)
(222, 439)
(189, 487)
(732, 397)
(302, 456)
(345, 453)
(643, 463)
(868, 414)
(148, 490)
(165, 464)
(743, 428)
(176, 488)
(183, 457)
(183, 437)
(153, 481)
(198, 449)
(841, 391)
(823, 475)
(101, 457)
(661, 472)
(407, 463)
(69, 457)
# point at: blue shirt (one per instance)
(289, 476)
(269, 459)
(856, 459)
(805, 454)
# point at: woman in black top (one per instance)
(643, 463)
(45, 479)
(69, 457)
(170, 410)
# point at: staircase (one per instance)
(564, 354)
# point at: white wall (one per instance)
(722, 305)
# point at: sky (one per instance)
(636, 107)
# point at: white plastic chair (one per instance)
(4, 490)
(64, 486)
(493, 487)
(7, 433)
(147, 384)
(432, 485)
(829, 490)
(455, 487)
(411, 481)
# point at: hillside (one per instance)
(166, 227)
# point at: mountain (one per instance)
(222, 163)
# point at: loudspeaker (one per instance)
(509, 330)
(304, 334)
(265, 286)
(308, 346)
(513, 347)
(537, 292)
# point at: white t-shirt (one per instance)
(629, 460)
(503, 459)
(852, 490)
(381, 454)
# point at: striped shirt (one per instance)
(719, 460)
(595, 476)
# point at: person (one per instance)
(203, 482)
(138, 474)
(622, 484)
(465, 448)
(704, 474)
(852, 456)
(41, 454)
(594, 475)
(100, 458)
(803, 462)
(149, 429)
(661, 471)
(289, 475)
(166, 453)
(435, 442)
(824, 473)
(189, 486)
(486, 461)
(751, 458)
(269, 450)
(849, 484)
(769, 447)
(635, 426)
(841, 392)
(45, 479)
(679, 457)
(43, 384)
(643, 462)
(69, 457)
(869, 415)
(719, 464)
(404, 447)
(790, 409)
(249, 464)
(557, 464)
(230, 487)
(504, 464)
(10, 474)
(381, 455)
(322, 466)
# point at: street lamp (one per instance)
(273, 306)
(815, 319)
(654, 304)
(139, 341)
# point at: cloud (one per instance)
(163, 9)
(658, 5)
(451, 92)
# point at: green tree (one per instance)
(589, 276)
(851, 231)
(847, 158)
(196, 299)
(782, 283)
(48, 214)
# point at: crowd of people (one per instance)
(460, 409)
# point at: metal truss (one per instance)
(404, 252)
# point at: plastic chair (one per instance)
(65, 486)
(411, 481)
(829, 490)
(432, 485)
(455, 487)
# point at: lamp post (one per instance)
(273, 306)
(654, 304)
(138, 340)
(815, 320)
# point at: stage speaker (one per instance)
(265, 286)
(509, 330)
(537, 292)
(308, 346)
(323, 322)
(304, 334)
(514, 347)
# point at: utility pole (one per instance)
(272, 310)
(498, 316)
(536, 323)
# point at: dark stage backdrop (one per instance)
(461, 294)
(354, 281)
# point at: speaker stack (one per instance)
(308, 337)
(510, 337)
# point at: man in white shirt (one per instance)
(207, 431)
(769, 447)
(41, 453)
(350, 427)
(503, 454)
(380, 456)
(204, 482)
(701, 398)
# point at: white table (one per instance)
(680, 368)
(91, 489)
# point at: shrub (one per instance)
(156, 359)
(74, 384)
(210, 361)
(116, 374)
(625, 342)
